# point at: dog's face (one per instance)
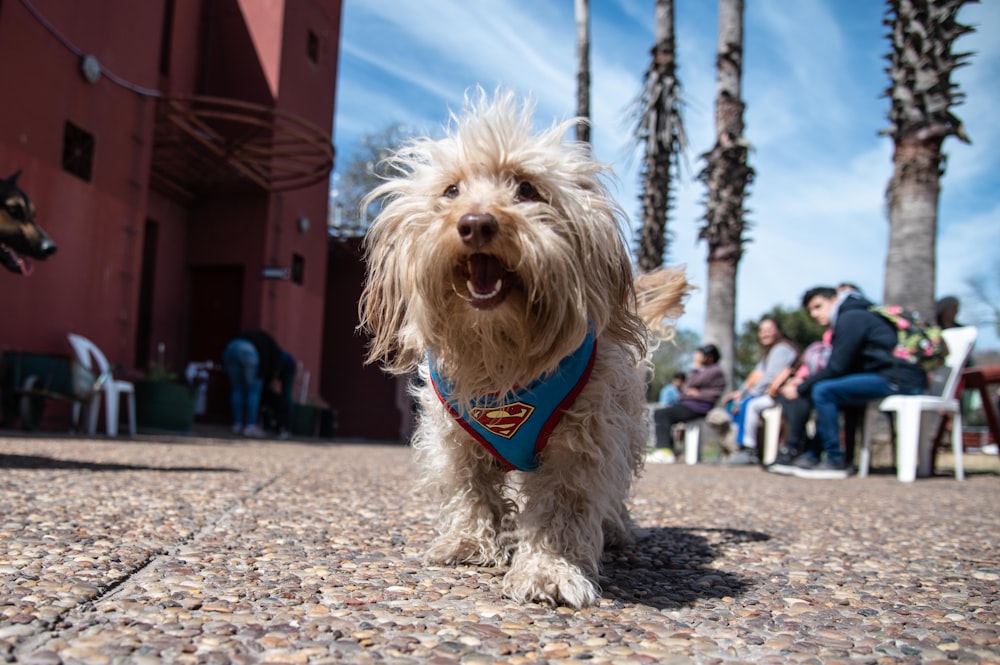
(20, 236)
(495, 250)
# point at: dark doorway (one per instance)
(216, 316)
(216, 310)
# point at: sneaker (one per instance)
(254, 432)
(743, 457)
(784, 462)
(825, 470)
(661, 456)
(788, 463)
(237, 429)
(805, 461)
(782, 469)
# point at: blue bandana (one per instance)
(516, 426)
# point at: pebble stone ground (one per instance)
(202, 550)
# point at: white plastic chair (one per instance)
(912, 450)
(770, 419)
(91, 357)
(692, 432)
(771, 422)
(692, 439)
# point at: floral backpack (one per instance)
(917, 342)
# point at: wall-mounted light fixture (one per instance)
(303, 224)
(90, 67)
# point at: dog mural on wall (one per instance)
(21, 238)
(497, 267)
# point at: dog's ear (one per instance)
(382, 308)
(608, 289)
(624, 324)
(12, 179)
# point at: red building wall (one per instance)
(169, 314)
(369, 402)
(242, 49)
(90, 286)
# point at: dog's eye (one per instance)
(451, 191)
(15, 209)
(527, 192)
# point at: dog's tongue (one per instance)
(485, 274)
(15, 262)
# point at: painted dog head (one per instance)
(20, 236)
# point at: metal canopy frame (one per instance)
(203, 143)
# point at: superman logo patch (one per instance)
(503, 420)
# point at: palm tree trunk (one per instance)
(910, 263)
(660, 131)
(727, 175)
(922, 33)
(582, 8)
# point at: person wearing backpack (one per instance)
(862, 367)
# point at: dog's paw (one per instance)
(551, 580)
(465, 550)
(618, 538)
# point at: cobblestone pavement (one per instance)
(233, 551)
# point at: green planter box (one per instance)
(303, 420)
(162, 405)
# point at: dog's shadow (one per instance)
(668, 568)
(40, 462)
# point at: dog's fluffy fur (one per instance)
(494, 251)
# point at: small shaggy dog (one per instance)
(498, 268)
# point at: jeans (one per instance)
(829, 396)
(747, 419)
(240, 361)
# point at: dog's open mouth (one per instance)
(486, 279)
(14, 262)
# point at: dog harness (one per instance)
(515, 427)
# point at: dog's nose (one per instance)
(477, 229)
(48, 247)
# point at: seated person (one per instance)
(758, 390)
(701, 391)
(946, 316)
(946, 312)
(671, 392)
(795, 412)
(861, 368)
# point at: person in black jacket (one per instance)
(861, 368)
(251, 361)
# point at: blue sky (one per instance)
(813, 80)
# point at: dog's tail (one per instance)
(660, 297)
